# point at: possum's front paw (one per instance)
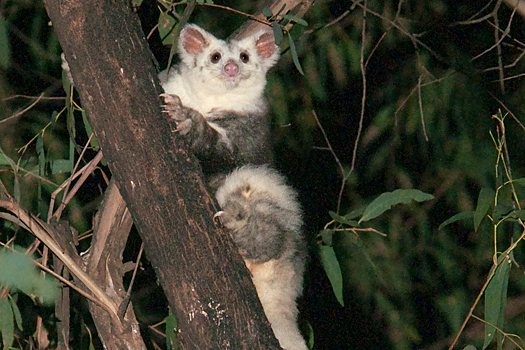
(174, 108)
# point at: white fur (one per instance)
(203, 85)
(278, 286)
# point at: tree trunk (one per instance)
(203, 276)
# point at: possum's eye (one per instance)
(215, 57)
(239, 216)
(244, 57)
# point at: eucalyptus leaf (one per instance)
(295, 19)
(18, 271)
(166, 25)
(326, 236)
(516, 214)
(16, 313)
(496, 300)
(171, 335)
(7, 324)
(333, 271)
(485, 203)
(388, 199)
(293, 51)
(267, 12)
(342, 220)
(277, 33)
(520, 181)
(461, 216)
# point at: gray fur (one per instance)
(264, 218)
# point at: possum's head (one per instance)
(221, 67)
(256, 200)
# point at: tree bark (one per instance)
(204, 278)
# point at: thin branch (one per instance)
(363, 98)
(412, 37)
(471, 20)
(421, 107)
(509, 112)
(125, 302)
(17, 114)
(86, 171)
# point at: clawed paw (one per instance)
(174, 108)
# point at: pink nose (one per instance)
(231, 69)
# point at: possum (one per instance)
(215, 96)
(262, 214)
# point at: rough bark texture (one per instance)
(104, 265)
(204, 279)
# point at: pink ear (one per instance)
(266, 45)
(192, 40)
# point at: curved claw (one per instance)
(218, 217)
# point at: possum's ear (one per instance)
(266, 45)
(266, 48)
(192, 41)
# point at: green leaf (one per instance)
(18, 271)
(295, 19)
(469, 347)
(496, 300)
(89, 131)
(461, 216)
(5, 160)
(326, 236)
(267, 12)
(515, 215)
(355, 213)
(171, 335)
(5, 47)
(293, 51)
(485, 203)
(277, 33)
(166, 25)
(7, 325)
(61, 166)
(16, 313)
(342, 220)
(310, 336)
(520, 181)
(333, 271)
(501, 210)
(388, 199)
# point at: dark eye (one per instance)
(244, 57)
(215, 57)
(239, 216)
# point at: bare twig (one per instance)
(421, 108)
(518, 5)
(363, 98)
(85, 171)
(124, 304)
(17, 114)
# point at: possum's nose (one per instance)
(231, 69)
